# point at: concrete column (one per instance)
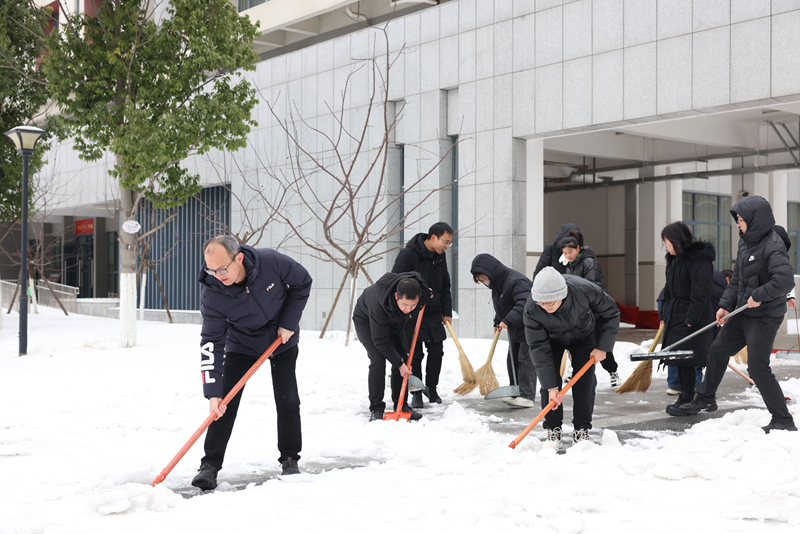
(534, 194)
(631, 245)
(747, 184)
(779, 196)
(654, 215)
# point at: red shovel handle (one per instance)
(552, 404)
(402, 397)
(211, 417)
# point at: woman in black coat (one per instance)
(510, 290)
(687, 305)
(582, 262)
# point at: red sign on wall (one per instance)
(84, 226)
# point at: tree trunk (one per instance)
(161, 290)
(141, 294)
(32, 294)
(353, 285)
(333, 307)
(127, 271)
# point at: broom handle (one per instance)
(401, 399)
(710, 325)
(552, 403)
(453, 335)
(738, 372)
(657, 338)
(212, 416)
(494, 344)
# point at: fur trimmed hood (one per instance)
(698, 251)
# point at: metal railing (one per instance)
(68, 295)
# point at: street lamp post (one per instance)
(25, 139)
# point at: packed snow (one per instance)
(87, 426)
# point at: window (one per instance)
(709, 218)
(247, 4)
(793, 229)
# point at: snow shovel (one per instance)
(400, 414)
(552, 404)
(670, 354)
(212, 416)
(506, 391)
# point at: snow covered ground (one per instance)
(86, 426)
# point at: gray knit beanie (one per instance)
(549, 286)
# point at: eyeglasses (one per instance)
(220, 272)
(547, 304)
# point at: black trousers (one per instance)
(583, 391)
(523, 373)
(376, 381)
(758, 334)
(433, 368)
(287, 403)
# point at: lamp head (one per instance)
(25, 138)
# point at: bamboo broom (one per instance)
(741, 357)
(563, 363)
(642, 376)
(467, 372)
(487, 380)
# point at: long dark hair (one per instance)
(679, 235)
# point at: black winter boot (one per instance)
(686, 376)
(206, 478)
(416, 399)
(430, 392)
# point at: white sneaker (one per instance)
(519, 402)
(671, 391)
(615, 379)
(553, 440)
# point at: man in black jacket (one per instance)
(380, 317)
(762, 277)
(249, 297)
(425, 254)
(560, 315)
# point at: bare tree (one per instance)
(358, 222)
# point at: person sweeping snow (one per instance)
(560, 315)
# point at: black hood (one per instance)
(417, 243)
(491, 267)
(757, 213)
(698, 251)
(563, 231)
(781, 231)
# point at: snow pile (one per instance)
(87, 426)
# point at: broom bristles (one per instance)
(563, 363)
(640, 379)
(487, 380)
(468, 374)
(741, 357)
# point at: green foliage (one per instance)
(153, 92)
(22, 95)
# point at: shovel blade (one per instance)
(397, 416)
(502, 392)
(415, 384)
(663, 355)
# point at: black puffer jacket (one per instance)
(585, 266)
(510, 290)
(687, 301)
(762, 267)
(246, 318)
(552, 253)
(379, 321)
(433, 268)
(573, 321)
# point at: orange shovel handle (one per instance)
(552, 404)
(211, 417)
(402, 396)
(738, 372)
